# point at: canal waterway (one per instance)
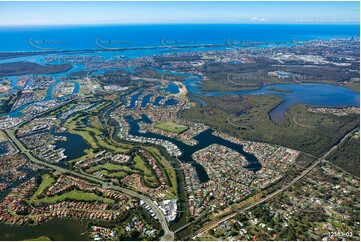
(204, 139)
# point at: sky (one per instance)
(79, 13)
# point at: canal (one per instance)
(204, 139)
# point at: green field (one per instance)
(41, 238)
(111, 167)
(140, 164)
(149, 177)
(92, 135)
(119, 174)
(46, 181)
(3, 137)
(166, 167)
(172, 127)
(75, 195)
(121, 171)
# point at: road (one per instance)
(168, 234)
(46, 111)
(299, 177)
(216, 190)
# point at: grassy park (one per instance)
(47, 180)
(3, 136)
(75, 195)
(112, 168)
(41, 238)
(172, 127)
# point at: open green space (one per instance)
(46, 181)
(166, 167)
(91, 125)
(40, 94)
(74, 195)
(7, 101)
(120, 171)
(172, 127)
(3, 136)
(140, 164)
(119, 174)
(41, 238)
(111, 167)
(94, 136)
(149, 178)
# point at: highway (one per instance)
(299, 177)
(168, 234)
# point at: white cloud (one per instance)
(257, 19)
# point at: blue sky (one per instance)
(64, 13)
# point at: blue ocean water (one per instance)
(19, 38)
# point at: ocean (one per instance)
(34, 38)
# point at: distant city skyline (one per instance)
(89, 13)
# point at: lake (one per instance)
(58, 229)
(74, 146)
(314, 94)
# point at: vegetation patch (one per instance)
(111, 167)
(75, 195)
(166, 167)
(25, 67)
(247, 117)
(347, 156)
(46, 181)
(41, 238)
(172, 127)
(3, 136)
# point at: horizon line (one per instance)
(178, 23)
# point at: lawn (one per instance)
(90, 134)
(3, 137)
(121, 171)
(40, 94)
(149, 177)
(111, 167)
(41, 238)
(46, 181)
(119, 174)
(139, 164)
(75, 195)
(166, 167)
(172, 127)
